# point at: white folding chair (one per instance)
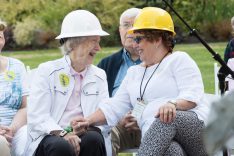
(30, 75)
(216, 80)
(229, 79)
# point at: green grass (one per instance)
(204, 60)
(34, 58)
(201, 56)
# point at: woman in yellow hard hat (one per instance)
(164, 92)
(174, 82)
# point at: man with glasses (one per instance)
(126, 134)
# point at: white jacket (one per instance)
(49, 98)
(177, 77)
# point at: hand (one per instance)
(130, 122)
(79, 125)
(74, 140)
(7, 132)
(167, 113)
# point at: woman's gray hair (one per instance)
(71, 43)
(132, 12)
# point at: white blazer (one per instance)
(49, 97)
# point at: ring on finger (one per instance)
(78, 125)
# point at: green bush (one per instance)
(211, 18)
(24, 31)
(107, 11)
(218, 31)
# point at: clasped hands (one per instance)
(7, 132)
(79, 126)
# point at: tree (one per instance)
(210, 17)
(49, 15)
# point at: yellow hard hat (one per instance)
(153, 18)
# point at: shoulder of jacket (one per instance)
(180, 55)
(51, 66)
(231, 42)
(98, 72)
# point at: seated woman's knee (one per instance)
(175, 149)
(92, 143)
(92, 137)
(57, 144)
(62, 145)
(4, 146)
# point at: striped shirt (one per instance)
(11, 90)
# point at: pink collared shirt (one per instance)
(73, 108)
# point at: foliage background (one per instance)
(35, 23)
(198, 52)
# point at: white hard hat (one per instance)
(81, 23)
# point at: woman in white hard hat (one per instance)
(164, 92)
(66, 90)
(13, 101)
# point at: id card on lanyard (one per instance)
(141, 103)
(139, 108)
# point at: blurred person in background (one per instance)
(229, 51)
(127, 133)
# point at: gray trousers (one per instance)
(183, 134)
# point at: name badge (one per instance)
(64, 80)
(9, 76)
(138, 109)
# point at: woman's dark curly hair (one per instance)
(153, 35)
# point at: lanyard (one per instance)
(142, 94)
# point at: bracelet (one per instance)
(68, 129)
(174, 102)
(62, 133)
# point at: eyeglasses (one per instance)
(126, 25)
(138, 39)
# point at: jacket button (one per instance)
(86, 93)
(97, 92)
